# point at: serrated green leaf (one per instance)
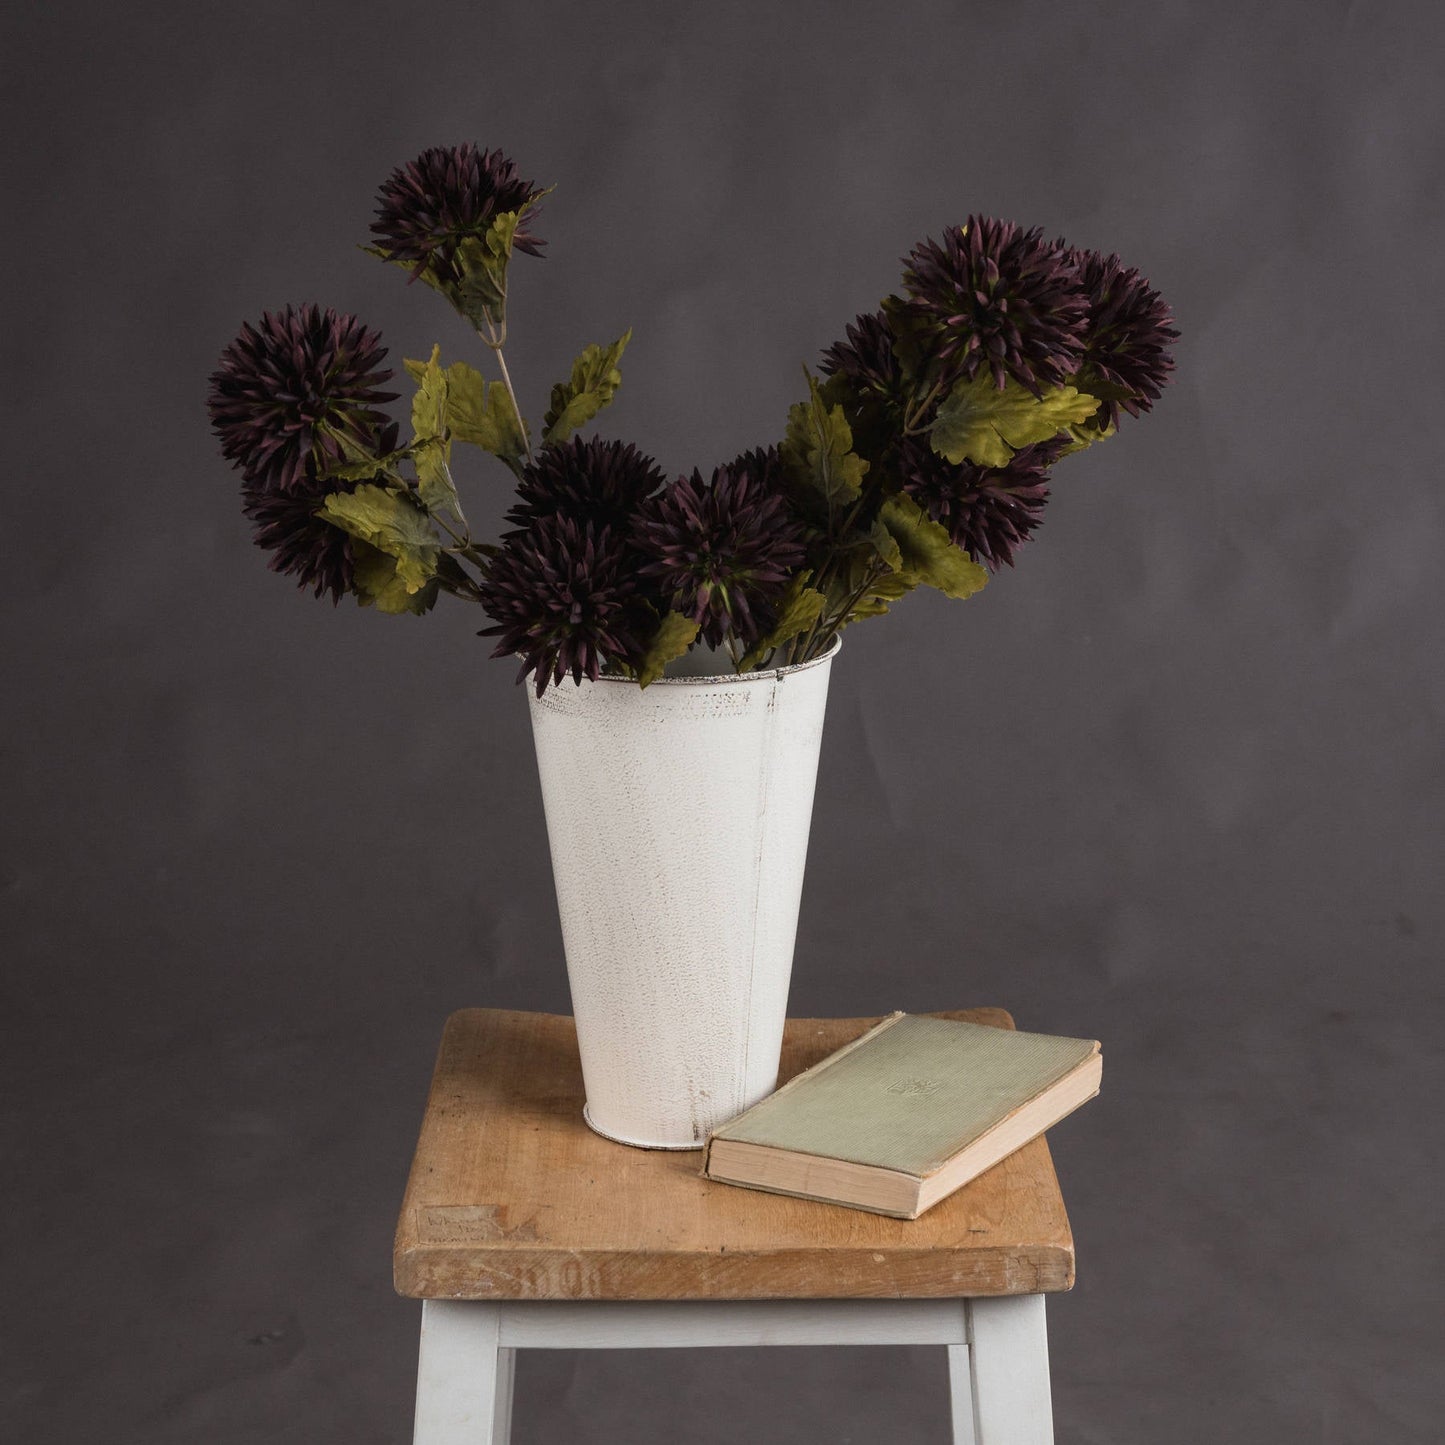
(500, 233)
(431, 408)
(379, 585)
(885, 544)
(1086, 434)
(594, 380)
(466, 400)
(476, 411)
(429, 404)
(434, 478)
(363, 470)
(817, 452)
(801, 606)
(391, 524)
(481, 293)
(858, 586)
(978, 423)
(674, 635)
(495, 426)
(881, 595)
(928, 551)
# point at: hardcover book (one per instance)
(905, 1114)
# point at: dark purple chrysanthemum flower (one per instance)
(723, 554)
(594, 481)
(1127, 341)
(565, 598)
(993, 295)
(287, 389)
(866, 360)
(301, 544)
(989, 511)
(428, 207)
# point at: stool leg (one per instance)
(502, 1416)
(960, 1385)
(464, 1377)
(1007, 1365)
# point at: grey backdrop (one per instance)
(1176, 782)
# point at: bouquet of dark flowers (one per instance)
(922, 455)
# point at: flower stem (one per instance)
(521, 420)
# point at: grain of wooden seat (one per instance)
(511, 1198)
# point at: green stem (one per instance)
(457, 501)
(455, 579)
(495, 341)
(521, 420)
(823, 631)
(913, 412)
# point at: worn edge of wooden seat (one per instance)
(493, 1266)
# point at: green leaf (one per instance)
(363, 470)
(978, 423)
(885, 544)
(577, 400)
(429, 405)
(800, 608)
(913, 343)
(675, 634)
(434, 478)
(431, 442)
(466, 400)
(481, 294)
(928, 551)
(1086, 435)
(457, 404)
(482, 414)
(391, 524)
(379, 585)
(880, 596)
(818, 454)
(1098, 427)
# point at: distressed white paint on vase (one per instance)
(678, 820)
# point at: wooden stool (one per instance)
(522, 1229)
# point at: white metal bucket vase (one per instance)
(678, 820)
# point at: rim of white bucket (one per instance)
(712, 679)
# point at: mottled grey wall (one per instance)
(1176, 782)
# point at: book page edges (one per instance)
(1045, 1091)
(812, 1176)
(888, 1191)
(1009, 1135)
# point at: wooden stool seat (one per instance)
(557, 1235)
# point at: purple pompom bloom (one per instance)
(866, 360)
(565, 598)
(988, 511)
(1127, 341)
(723, 554)
(428, 207)
(301, 544)
(288, 390)
(995, 296)
(594, 481)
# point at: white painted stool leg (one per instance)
(960, 1385)
(502, 1415)
(1008, 1355)
(464, 1378)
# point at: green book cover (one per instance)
(909, 1094)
